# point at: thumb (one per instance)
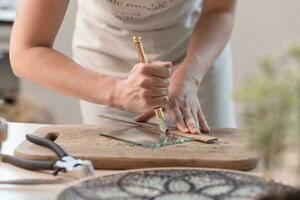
(145, 116)
(165, 64)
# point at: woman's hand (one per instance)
(146, 87)
(183, 107)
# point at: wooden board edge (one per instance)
(108, 163)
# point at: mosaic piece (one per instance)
(145, 137)
(173, 184)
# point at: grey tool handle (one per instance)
(33, 165)
(34, 181)
(47, 143)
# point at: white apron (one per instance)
(103, 42)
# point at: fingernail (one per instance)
(206, 124)
(207, 130)
(167, 99)
(197, 131)
(168, 63)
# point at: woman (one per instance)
(189, 36)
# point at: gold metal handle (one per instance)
(137, 40)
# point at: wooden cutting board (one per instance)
(85, 142)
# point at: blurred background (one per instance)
(261, 28)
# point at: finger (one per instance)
(158, 101)
(194, 113)
(166, 64)
(155, 82)
(145, 116)
(160, 82)
(177, 117)
(156, 92)
(160, 71)
(190, 121)
(202, 121)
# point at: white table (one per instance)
(16, 134)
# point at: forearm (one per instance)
(209, 38)
(33, 58)
(57, 72)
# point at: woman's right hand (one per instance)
(145, 88)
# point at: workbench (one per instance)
(16, 134)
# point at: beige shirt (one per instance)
(104, 30)
(103, 43)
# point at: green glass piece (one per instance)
(146, 137)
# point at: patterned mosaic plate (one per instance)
(167, 184)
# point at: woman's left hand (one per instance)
(184, 106)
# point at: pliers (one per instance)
(76, 168)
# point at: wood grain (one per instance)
(205, 138)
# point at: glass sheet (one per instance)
(146, 137)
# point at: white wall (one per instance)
(262, 27)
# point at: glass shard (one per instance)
(145, 137)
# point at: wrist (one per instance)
(191, 70)
(182, 83)
(186, 77)
(106, 90)
(116, 96)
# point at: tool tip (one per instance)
(137, 39)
